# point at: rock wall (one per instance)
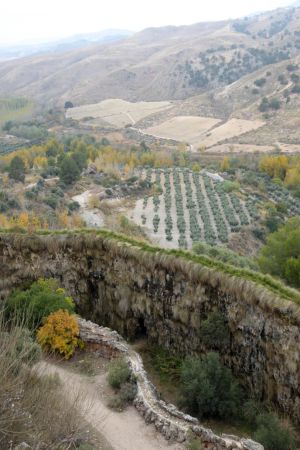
(141, 292)
(173, 424)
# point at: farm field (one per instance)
(117, 112)
(203, 131)
(230, 129)
(183, 128)
(192, 207)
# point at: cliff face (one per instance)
(166, 298)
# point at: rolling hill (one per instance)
(245, 69)
(168, 63)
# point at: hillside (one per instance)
(158, 64)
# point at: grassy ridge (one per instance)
(273, 285)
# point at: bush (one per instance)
(214, 332)
(208, 388)
(128, 392)
(260, 82)
(168, 366)
(272, 434)
(275, 103)
(73, 206)
(280, 255)
(120, 378)
(296, 89)
(292, 67)
(230, 186)
(37, 302)
(118, 373)
(60, 333)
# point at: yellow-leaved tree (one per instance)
(225, 164)
(60, 333)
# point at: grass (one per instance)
(270, 284)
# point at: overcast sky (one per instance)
(33, 20)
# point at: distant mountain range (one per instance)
(62, 45)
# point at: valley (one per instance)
(150, 183)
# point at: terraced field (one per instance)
(192, 207)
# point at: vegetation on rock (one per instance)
(36, 303)
(208, 388)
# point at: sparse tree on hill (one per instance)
(69, 105)
(17, 169)
(69, 170)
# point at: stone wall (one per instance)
(138, 292)
(173, 424)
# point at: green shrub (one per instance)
(120, 378)
(118, 373)
(272, 434)
(214, 332)
(251, 410)
(16, 169)
(128, 392)
(208, 388)
(260, 82)
(230, 186)
(280, 255)
(224, 254)
(168, 366)
(41, 299)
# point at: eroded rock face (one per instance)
(165, 298)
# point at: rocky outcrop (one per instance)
(173, 424)
(145, 291)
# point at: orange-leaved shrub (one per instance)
(60, 333)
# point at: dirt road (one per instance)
(123, 431)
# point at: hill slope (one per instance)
(158, 64)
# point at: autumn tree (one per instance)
(225, 164)
(60, 333)
(274, 166)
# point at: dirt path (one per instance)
(92, 217)
(123, 431)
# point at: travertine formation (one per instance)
(166, 298)
(173, 424)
